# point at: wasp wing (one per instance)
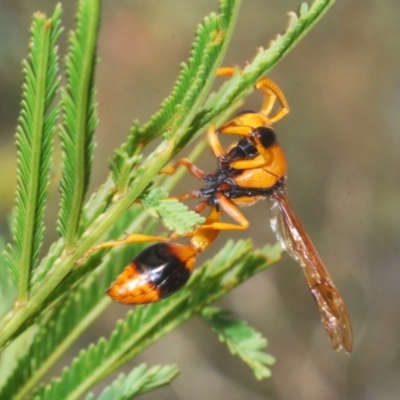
(294, 239)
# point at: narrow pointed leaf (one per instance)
(241, 340)
(34, 143)
(141, 380)
(143, 177)
(234, 264)
(7, 289)
(175, 215)
(263, 62)
(80, 118)
(75, 310)
(196, 77)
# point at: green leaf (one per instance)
(175, 215)
(132, 222)
(34, 144)
(7, 289)
(64, 263)
(191, 88)
(241, 340)
(197, 75)
(146, 324)
(80, 119)
(74, 311)
(56, 332)
(123, 161)
(242, 83)
(110, 212)
(141, 380)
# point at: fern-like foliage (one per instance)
(65, 297)
(175, 215)
(147, 171)
(196, 77)
(7, 289)
(265, 59)
(74, 311)
(141, 380)
(80, 118)
(241, 340)
(235, 263)
(34, 143)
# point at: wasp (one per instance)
(251, 169)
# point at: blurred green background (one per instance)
(342, 142)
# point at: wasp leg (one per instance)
(263, 159)
(271, 93)
(201, 206)
(214, 142)
(257, 162)
(230, 208)
(193, 194)
(129, 238)
(193, 170)
(225, 71)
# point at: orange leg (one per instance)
(271, 92)
(233, 129)
(258, 162)
(216, 149)
(129, 238)
(193, 194)
(226, 71)
(230, 208)
(195, 171)
(214, 142)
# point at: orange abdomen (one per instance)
(155, 273)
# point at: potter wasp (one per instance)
(249, 170)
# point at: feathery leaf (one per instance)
(141, 380)
(34, 143)
(70, 316)
(234, 264)
(80, 118)
(66, 322)
(144, 176)
(132, 222)
(198, 74)
(241, 340)
(175, 215)
(196, 77)
(7, 289)
(239, 85)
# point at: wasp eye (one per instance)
(266, 135)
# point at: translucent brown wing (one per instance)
(294, 239)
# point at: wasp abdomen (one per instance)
(155, 273)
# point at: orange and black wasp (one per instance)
(251, 169)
